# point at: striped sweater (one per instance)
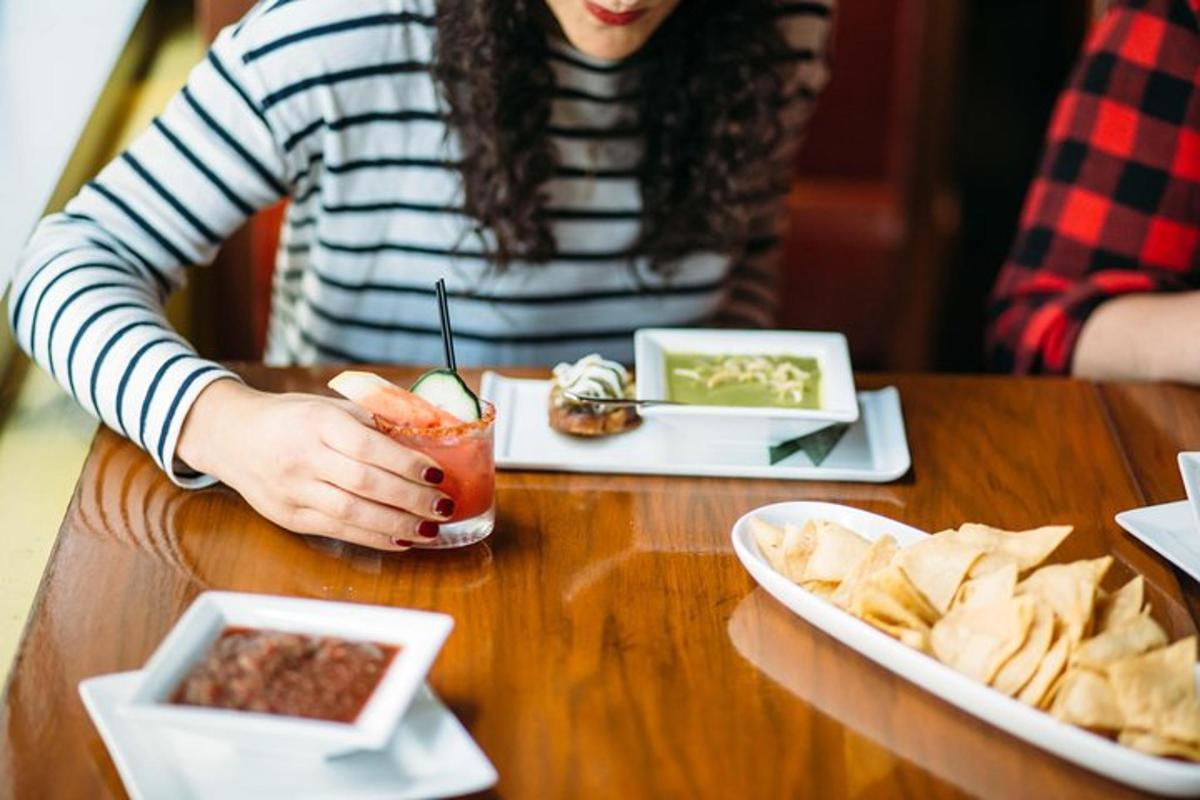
(332, 105)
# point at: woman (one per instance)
(575, 169)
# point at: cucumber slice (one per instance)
(447, 391)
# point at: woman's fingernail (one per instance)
(433, 475)
(444, 507)
(402, 543)
(428, 529)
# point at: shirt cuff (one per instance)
(180, 473)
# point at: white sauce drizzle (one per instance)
(592, 376)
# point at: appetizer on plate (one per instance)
(591, 376)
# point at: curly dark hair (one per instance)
(709, 101)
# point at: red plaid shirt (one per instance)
(1115, 207)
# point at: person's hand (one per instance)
(313, 465)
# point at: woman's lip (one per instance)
(609, 17)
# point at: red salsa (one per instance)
(272, 672)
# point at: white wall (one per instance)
(55, 58)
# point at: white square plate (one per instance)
(1168, 529)
(418, 634)
(837, 395)
(1172, 529)
(430, 755)
(873, 450)
(1189, 470)
(1036, 727)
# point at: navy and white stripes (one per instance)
(331, 103)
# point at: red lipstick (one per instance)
(609, 17)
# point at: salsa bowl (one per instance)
(413, 637)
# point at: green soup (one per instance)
(743, 380)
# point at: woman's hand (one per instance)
(314, 465)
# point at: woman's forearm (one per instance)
(1142, 337)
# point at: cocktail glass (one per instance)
(465, 454)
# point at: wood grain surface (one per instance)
(607, 641)
(1154, 423)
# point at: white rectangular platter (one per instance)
(873, 450)
(1086, 749)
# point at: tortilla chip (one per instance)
(991, 587)
(1069, 589)
(1029, 548)
(1121, 606)
(889, 596)
(916, 638)
(1086, 699)
(822, 589)
(882, 610)
(993, 562)
(1150, 685)
(1052, 692)
(1019, 669)
(937, 566)
(769, 539)
(1182, 723)
(977, 640)
(878, 556)
(1158, 745)
(1134, 637)
(835, 551)
(1038, 690)
(797, 546)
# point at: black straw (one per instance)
(447, 332)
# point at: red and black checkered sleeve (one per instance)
(1115, 207)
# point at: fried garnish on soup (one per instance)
(981, 600)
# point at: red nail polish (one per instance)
(444, 507)
(402, 543)
(433, 475)
(428, 529)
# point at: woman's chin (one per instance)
(606, 46)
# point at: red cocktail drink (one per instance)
(465, 455)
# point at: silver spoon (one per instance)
(618, 401)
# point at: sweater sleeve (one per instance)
(87, 296)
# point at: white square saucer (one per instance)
(430, 755)
(1172, 529)
(1168, 529)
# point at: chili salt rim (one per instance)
(392, 429)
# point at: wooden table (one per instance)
(1154, 423)
(607, 641)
